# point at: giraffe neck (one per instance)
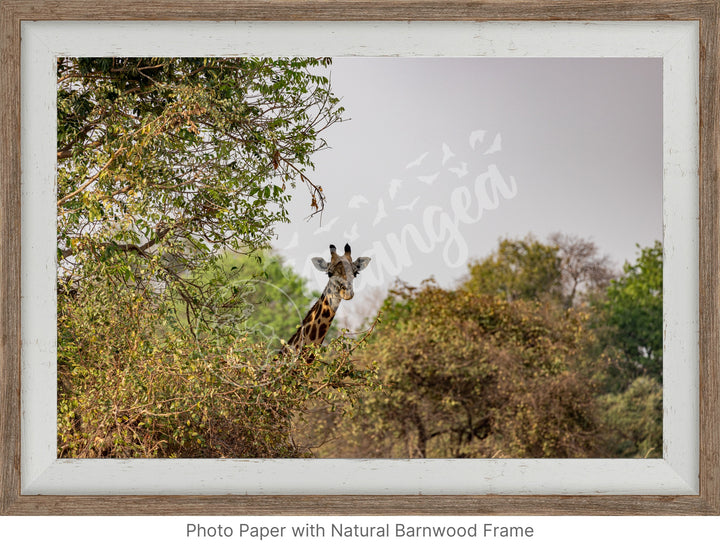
(317, 321)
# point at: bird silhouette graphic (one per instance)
(417, 162)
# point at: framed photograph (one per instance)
(493, 273)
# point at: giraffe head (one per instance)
(341, 270)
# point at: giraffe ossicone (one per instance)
(341, 271)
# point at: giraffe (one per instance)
(341, 271)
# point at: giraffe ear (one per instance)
(320, 263)
(360, 263)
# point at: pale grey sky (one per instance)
(573, 145)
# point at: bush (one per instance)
(133, 382)
(634, 419)
(466, 375)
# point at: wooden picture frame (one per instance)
(13, 12)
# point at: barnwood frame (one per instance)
(13, 12)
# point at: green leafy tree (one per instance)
(627, 319)
(567, 269)
(519, 269)
(633, 313)
(165, 162)
(273, 298)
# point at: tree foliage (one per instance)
(519, 269)
(260, 297)
(634, 417)
(566, 269)
(131, 383)
(165, 163)
(583, 271)
(633, 313)
(468, 375)
(521, 360)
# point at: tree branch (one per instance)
(90, 180)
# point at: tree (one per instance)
(467, 375)
(165, 162)
(272, 297)
(582, 269)
(565, 269)
(519, 269)
(633, 313)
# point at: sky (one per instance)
(440, 158)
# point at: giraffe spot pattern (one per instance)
(318, 319)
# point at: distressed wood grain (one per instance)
(362, 10)
(9, 257)
(710, 259)
(12, 12)
(362, 505)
